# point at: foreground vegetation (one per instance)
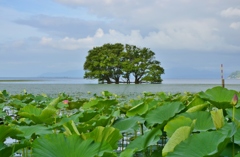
(184, 124)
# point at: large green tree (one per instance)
(111, 63)
(104, 63)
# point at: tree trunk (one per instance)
(136, 80)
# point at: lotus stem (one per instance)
(234, 103)
(23, 152)
(13, 150)
(233, 149)
(122, 141)
(233, 115)
(233, 119)
(141, 126)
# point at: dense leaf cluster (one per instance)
(160, 124)
(116, 63)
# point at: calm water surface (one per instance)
(80, 87)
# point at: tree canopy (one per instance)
(118, 63)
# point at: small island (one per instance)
(234, 75)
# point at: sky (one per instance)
(190, 38)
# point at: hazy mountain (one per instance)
(71, 73)
(234, 75)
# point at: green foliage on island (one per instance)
(234, 75)
(107, 125)
(116, 63)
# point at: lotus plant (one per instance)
(234, 103)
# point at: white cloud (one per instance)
(231, 12)
(99, 33)
(67, 43)
(191, 35)
(235, 25)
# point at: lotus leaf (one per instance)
(71, 128)
(28, 131)
(237, 137)
(176, 123)
(150, 137)
(195, 102)
(38, 115)
(178, 136)
(236, 115)
(104, 134)
(128, 124)
(200, 107)
(162, 113)
(10, 150)
(203, 119)
(54, 102)
(204, 143)
(128, 152)
(139, 109)
(59, 145)
(218, 96)
(7, 131)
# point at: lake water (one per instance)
(81, 87)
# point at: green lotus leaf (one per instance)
(29, 111)
(139, 109)
(2, 115)
(54, 102)
(104, 134)
(7, 131)
(128, 152)
(38, 129)
(3, 146)
(110, 154)
(237, 137)
(76, 104)
(195, 102)
(150, 137)
(59, 145)
(100, 103)
(107, 94)
(238, 155)
(236, 115)
(8, 151)
(71, 128)
(128, 124)
(197, 146)
(38, 115)
(218, 96)
(203, 119)
(229, 129)
(228, 150)
(178, 136)
(17, 103)
(90, 104)
(99, 120)
(198, 108)
(205, 143)
(48, 115)
(162, 113)
(176, 123)
(87, 115)
(64, 119)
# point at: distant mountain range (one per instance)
(71, 73)
(234, 75)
